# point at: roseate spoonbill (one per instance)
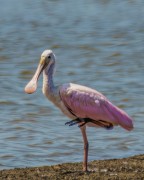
(83, 105)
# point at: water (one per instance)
(97, 43)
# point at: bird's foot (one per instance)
(75, 121)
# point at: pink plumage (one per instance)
(85, 102)
(83, 105)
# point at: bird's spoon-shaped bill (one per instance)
(32, 85)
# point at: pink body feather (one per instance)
(85, 102)
(78, 102)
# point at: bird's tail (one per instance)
(122, 118)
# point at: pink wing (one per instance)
(85, 102)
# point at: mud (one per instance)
(115, 169)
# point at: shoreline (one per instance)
(125, 168)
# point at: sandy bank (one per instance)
(126, 168)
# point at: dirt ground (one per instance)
(131, 168)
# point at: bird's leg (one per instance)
(83, 131)
(85, 120)
(73, 122)
(86, 146)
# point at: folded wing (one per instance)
(85, 102)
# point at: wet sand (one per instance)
(126, 168)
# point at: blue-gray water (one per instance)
(98, 44)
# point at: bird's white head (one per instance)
(47, 58)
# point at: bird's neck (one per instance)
(48, 85)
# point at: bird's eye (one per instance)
(49, 57)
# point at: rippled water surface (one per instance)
(97, 43)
